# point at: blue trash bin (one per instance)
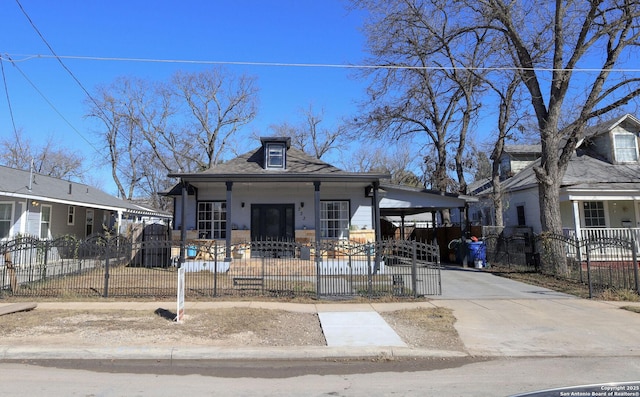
(191, 251)
(478, 253)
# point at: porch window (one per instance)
(5, 219)
(594, 214)
(45, 221)
(334, 219)
(212, 219)
(626, 148)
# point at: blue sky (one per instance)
(267, 31)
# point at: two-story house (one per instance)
(600, 191)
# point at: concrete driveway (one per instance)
(501, 317)
(465, 283)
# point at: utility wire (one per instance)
(59, 59)
(6, 90)
(54, 107)
(28, 57)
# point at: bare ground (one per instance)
(424, 328)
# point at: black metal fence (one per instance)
(601, 263)
(118, 267)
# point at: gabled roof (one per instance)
(608, 125)
(26, 185)
(300, 167)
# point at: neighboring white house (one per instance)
(599, 191)
(279, 192)
(45, 207)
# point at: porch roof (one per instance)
(404, 200)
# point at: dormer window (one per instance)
(275, 152)
(626, 148)
(275, 155)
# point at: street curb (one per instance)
(215, 353)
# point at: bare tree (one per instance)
(218, 104)
(597, 33)
(421, 83)
(152, 129)
(113, 106)
(397, 160)
(309, 136)
(19, 152)
(549, 44)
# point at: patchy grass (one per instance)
(635, 309)
(566, 286)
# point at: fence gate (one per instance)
(611, 263)
(393, 267)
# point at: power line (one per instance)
(53, 107)
(6, 90)
(29, 57)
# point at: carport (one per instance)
(399, 202)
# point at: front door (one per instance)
(272, 222)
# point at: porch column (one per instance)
(229, 218)
(316, 210)
(402, 226)
(376, 211)
(576, 218)
(183, 222)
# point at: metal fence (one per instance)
(600, 262)
(117, 267)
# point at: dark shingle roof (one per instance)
(16, 183)
(523, 149)
(299, 166)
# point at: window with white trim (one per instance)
(594, 214)
(212, 219)
(275, 155)
(334, 219)
(6, 218)
(45, 221)
(626, 148)
(71, 215)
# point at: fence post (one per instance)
(414, 270)
(106, 271)
(318, 255)
(369, 277)
(47, 247)
(635, 262)
(589, 270)
(215, 267)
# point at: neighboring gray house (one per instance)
(279, 192)
(45, 207)
(599, 193)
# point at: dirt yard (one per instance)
(424, 328)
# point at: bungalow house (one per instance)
(600, 191)
(278, 192)
(45, 207)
